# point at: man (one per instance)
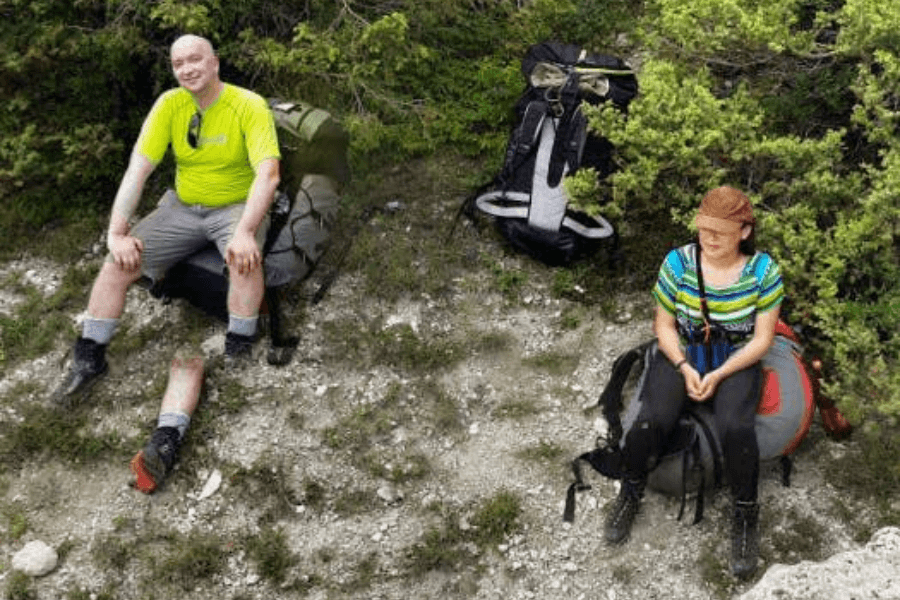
(227, 169)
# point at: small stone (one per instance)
(389, 494)
(35, 559)
(211, 486)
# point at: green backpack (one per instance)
(314, 169)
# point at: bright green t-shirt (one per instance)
(237, 133)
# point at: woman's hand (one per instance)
(692, 381)
(707, 386)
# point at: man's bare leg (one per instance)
(152, 464)
(107, 300)
(245, 295)
(105, 306)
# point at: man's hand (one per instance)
(126, 250)
(242, 252)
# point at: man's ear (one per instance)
(746, 230)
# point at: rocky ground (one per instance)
(416, 446)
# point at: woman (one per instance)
(743, 292)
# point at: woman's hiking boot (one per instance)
(88, 365)
(624, 510)
(152, 464)
(744, 539)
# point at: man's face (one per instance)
(194, 64)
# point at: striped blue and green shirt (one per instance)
(733, 308)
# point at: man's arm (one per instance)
(242, 252)
(125, 249)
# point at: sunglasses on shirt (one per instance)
(193, 134)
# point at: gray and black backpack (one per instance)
(692, 466)
(550, 140)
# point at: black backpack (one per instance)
(550, 139)
(692, 463)
(314, 169)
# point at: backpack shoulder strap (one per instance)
(610, 401)
(523, 139)
(606, 457)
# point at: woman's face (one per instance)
(723, 244)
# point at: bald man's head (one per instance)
(195, 64)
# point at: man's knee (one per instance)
(114, 275)
(251, 281)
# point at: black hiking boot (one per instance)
(745, 539)
(88, 365)
(624, 510)
(152, 464)
(238, 348)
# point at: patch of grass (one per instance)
(81, 594)
(623, 573)
(35, 326)
(715, 570)
(168, 563)
(554, 363)
(18, 587)
(314, 494)
(266, 488)
(364, 574)
(133, 339)
(440, 549)
(496, 519)
(544, 452)
(190, 560)
(16, 521)
(571, 317)
(442, 408)
(400, 347)
(799, 537)
(233, 395)
(458, 541)
(359, 434)
(19, 392)
(869, 472)
(508, 282)
(355, 502)
(271, 554)
(112, 552)
(491, 342)
(48, 432)
(517, 409)
(396, 468)
(357, 431)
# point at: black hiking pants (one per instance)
(734, 406)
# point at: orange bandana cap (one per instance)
(725, 210)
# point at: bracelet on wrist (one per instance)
(679, 363)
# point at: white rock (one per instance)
(212, 485)
(35, 559)
(868, 573)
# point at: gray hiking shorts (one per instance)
(175, 231)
